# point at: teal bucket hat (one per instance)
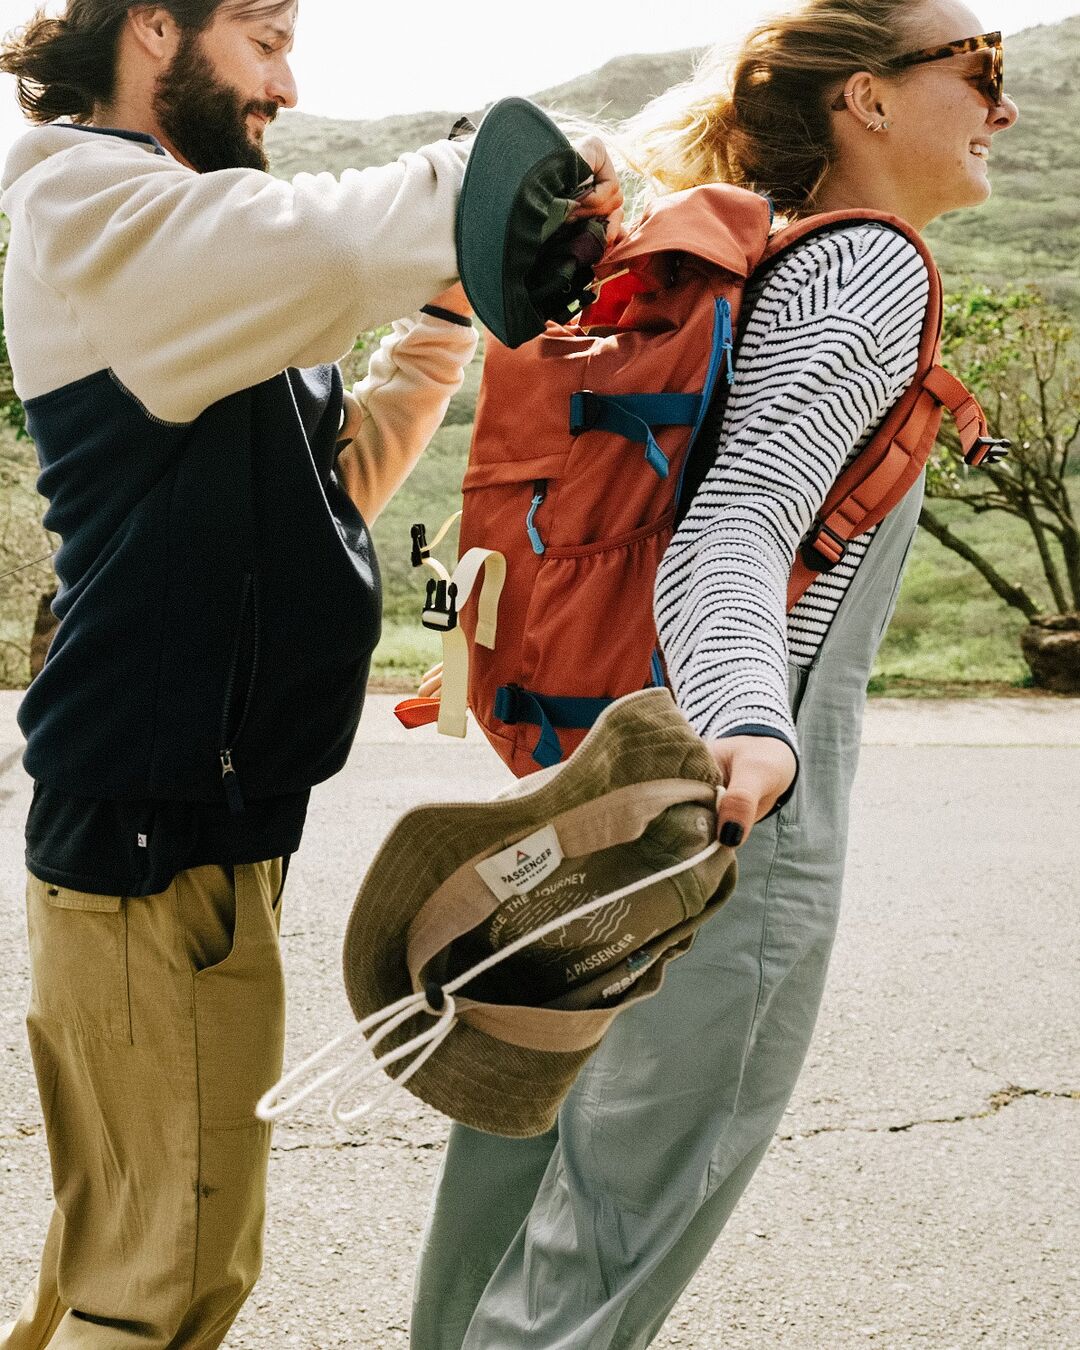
(522, 261)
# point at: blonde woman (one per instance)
(584, 1238)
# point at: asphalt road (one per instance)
(925, 1187)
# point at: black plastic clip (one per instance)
(440, 608)
(435, 998)
(584, 411)
(987, 450)
(420, 548)
(812, 555)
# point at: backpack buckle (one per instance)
(823, 549)
(584, 411)
(987, 450)
(440, 607)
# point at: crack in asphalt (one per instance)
(9, 762)
(10, 759)
(363, 1142)
(996, 1103)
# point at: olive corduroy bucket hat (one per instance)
(492, 944)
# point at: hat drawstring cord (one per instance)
(427, 1042)
(275, 1102)
(438, 1001)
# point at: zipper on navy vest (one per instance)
(231, 731)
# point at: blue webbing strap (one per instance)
(633, 416)
(514, 704)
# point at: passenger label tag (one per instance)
(522, 866)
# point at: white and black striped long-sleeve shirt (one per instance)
(831, 343)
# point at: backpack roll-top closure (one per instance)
(722, 225)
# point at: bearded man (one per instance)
(174, 315)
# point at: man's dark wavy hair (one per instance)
(66, 66)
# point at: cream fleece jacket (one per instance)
(189, 287)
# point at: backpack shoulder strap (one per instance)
(881, 475)
(791, 236)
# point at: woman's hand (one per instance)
(431, 684)
(756, 772)
(604, 197)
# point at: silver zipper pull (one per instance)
(231, 784)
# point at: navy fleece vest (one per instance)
(219, 595)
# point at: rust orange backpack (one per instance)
(579, 462)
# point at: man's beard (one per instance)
(203, 117)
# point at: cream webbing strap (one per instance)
(425, 556)
(455, 686)
(453, 703)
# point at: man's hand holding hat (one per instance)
(604, 198)
(534, 217)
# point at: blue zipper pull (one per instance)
(540, 492)
(727, 340)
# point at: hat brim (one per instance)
(520, 181)
(473, 1077)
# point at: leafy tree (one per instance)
(1019, 354)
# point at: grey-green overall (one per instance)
(583, 1238)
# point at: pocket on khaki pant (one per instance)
(79, 960)
(240, 1004)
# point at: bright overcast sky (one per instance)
(370, 59)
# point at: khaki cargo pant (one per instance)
(155, 1024)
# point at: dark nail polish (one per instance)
(731, 834)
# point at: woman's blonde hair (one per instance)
(763, 122)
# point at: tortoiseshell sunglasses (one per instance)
(991, 84)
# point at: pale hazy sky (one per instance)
(373, 58)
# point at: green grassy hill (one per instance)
(1030, 229)
(297, 141)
